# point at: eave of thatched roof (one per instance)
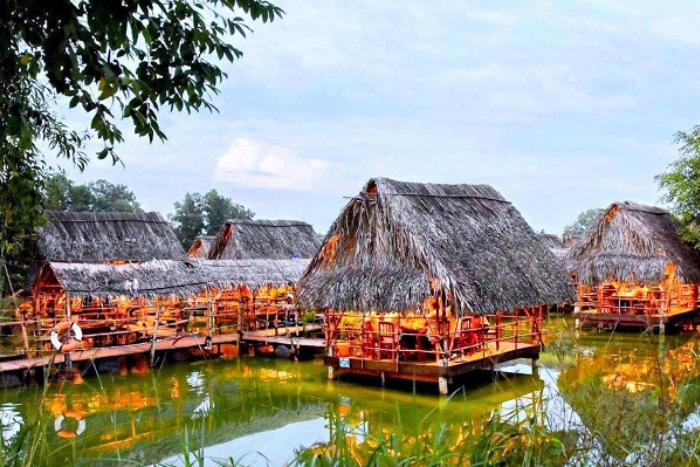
(395, 236)
(165, 277)
(201, 246)
(632, 242)
(98, 237)
(264, 239)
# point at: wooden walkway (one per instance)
(184, 342)
(288, 336)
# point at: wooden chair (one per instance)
(388, 341)
(465, 337)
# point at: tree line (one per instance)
(196, 214)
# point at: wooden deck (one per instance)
(433, 371)
(592, 318)
(184, 342)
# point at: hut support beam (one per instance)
(155, 337)
(443, 387)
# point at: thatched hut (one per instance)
(632, 268)
(120, 274)
(201, 246)
(103, 237)
(413, 270)
(264, 239)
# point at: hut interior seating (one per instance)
(388, 340)
(469, 336)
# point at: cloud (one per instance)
(255, 164)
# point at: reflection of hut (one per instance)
(264, 239)
(553, 243)
(201, 246)
(633, 269)
(627, 398)
(428, 281)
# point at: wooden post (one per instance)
(155, 337)
(443, 387)
(210, 305)
(67, 357)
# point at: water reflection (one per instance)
(11, 421)
(263, 410)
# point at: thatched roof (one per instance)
(201, 246)
(632, 242)
(264, 239)
(98, 237)
(390, 239)
(164, 277)
(553, 243)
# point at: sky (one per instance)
(560, 106)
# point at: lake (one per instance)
(259, 411)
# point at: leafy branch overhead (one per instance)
(127, 59)
(681, 184)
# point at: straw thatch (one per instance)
(201, 246)
(264, 239)
(632, 242)
(164, 277)
(98, 237)
(553, 243)
(389, 240)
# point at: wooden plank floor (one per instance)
(283, 331)
(433, 369)
(285, 340)
(184, 342)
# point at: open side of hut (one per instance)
(632, 268)
(430, 280)
(264, 239)
(201, 246)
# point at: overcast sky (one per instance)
(561, 106)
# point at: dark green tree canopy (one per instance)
(62, 194)
(681, 185)
(583, 221)
(197, 215)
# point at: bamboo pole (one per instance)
(155, 336)
(67, 357)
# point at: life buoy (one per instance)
(58, 424)
(73, 342)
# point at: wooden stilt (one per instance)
(443, 387)
(331, 372)
(155, 336)
(67, 357)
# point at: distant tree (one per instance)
(188, 219)
(218, 209)
(196, 215)
(584, 221)
(62, 194)
(107, 196)
(681, 184)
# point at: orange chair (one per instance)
(388, 341)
